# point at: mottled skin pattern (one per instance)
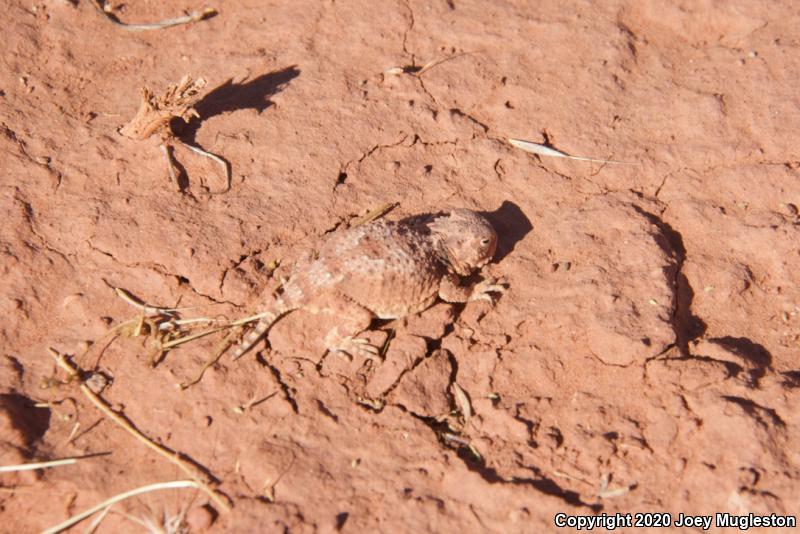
(386, 270)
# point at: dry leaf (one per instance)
(463, 402)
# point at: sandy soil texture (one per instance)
(645, 357)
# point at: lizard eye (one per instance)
(485, 241)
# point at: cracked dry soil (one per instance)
(645, 357)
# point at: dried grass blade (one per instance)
(97, 520)
(250, 319)
(121, 497)
(542, 150)
(184, 322)
(141, 305)
(463, 402)
(191, 337)
(377, 213)
(436, 62)
(37, 465)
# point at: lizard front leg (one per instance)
(450, 289)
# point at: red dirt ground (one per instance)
(645, 357)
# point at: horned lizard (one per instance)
(388, 270)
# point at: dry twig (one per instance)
(418, 71)
(377, 213)
(156, 114)
(219, 350)
(121, 420)
(161, 325)
(136, 303)
(37, 465)
(193, 16)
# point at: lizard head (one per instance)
(465, 240)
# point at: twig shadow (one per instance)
(230, 97)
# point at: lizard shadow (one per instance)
(511, 225)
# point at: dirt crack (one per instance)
(235, 265)
(27, 211)
(288, 391)
(465, 453)
(478, 464)
(41, 161)
(162, 270)
(343, 170)
(470, 118)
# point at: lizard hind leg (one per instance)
(352, 320)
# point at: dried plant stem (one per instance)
(377, 213)
(431, 64)
(193, 16)
(97, 520)
(250, 319)
(219, 350)
(222, 163)
(183, 322)
(191, 337)
(122, 421)
(38, 465)
(121, 497)
(173, 172)
(136, 303)
(543, 150)
(418, 71)
(155, 116)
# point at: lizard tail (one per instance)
(263, 324)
